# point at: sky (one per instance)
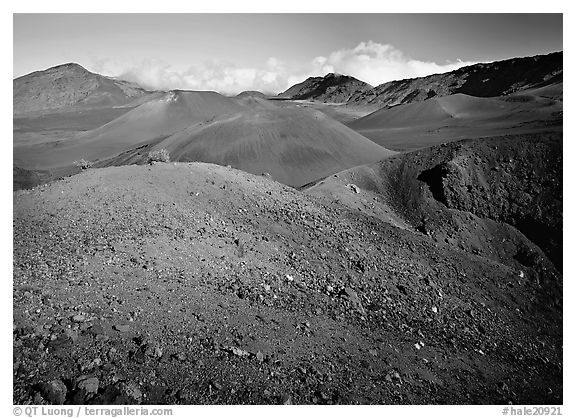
(230, 53)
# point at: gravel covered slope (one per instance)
(195, 283)
(479, 194)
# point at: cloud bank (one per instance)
(370, 61)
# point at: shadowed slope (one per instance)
(456, 192)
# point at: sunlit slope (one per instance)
(295, 146)
(439, 119)
(150, 121)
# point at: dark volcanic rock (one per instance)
(333, 88)
(54, 391)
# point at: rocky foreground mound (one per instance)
(193, 283)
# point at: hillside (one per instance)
(455, 192)
(199, 284)
(147, 123)
(483, 80)
(333, 88)
(71, 86)
(294, 146)
(252, 93)
(458, 116)
(255, 102)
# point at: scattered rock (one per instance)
(260, 356)
(122, 328)
(132, 390)
(89, 384)
(183, 395)
(153, 350)
(71, 335)
(97, 329)
(179, 356)
(354, 299)
(158, 352)
(237, 351)
(54, 392)
(78, 318)
(353, 187)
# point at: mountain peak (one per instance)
(68, 67)
(68, 86)
(333, 87)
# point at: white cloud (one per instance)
(378, 63)
(369, 61)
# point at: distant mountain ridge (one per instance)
(334, 88)
(69, 86)
(252, 93)
(497, 78)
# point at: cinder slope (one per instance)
(198, 284)
(71, 86)
(251, 93)
(255, 102)
(156, 119)
(457, 109)
(171, 113)
(458, 116)
(410, 115)
(295, 146)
